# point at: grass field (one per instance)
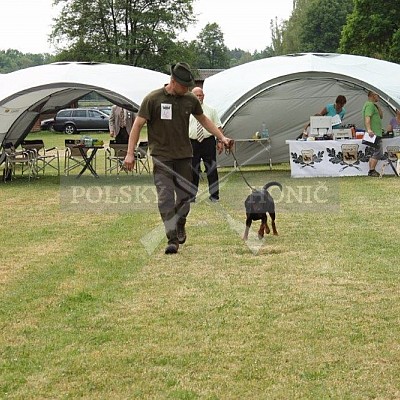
(92, 308)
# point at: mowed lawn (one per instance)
(92, 308)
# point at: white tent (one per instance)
(285, 91)
(27, 93)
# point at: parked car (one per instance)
(47, 124)
(74, 120)
(105, 109)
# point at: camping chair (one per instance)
(43, 157)
(25, 159)
(142, 158)
(73, 157)
(115, 156)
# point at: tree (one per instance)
(373, 30)
(322, 25)
(212, 52)
(314, 26)
(13, 60)
(135, 32)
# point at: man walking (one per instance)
(373, 115)
(204, 148)
(166, 112)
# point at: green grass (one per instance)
(88, 310)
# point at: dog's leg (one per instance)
(274, 231)
(246, 231)
(262, 227)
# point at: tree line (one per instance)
(145, 33)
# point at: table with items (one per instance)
(336, 158)
(264, 143)
(88, 157)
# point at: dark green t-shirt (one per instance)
(168, 123)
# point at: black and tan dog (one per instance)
(258, 204)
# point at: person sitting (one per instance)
(394, 122)
(330, 110)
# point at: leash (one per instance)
(229, 150)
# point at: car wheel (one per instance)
(69, 129)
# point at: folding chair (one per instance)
(114, 159)
(24, 159)
(73, 157)
(43, 157)
(142, 158)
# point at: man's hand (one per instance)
(129, 162)
(228, 143)
(112, 134)
(220, 147)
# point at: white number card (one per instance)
(166, 111)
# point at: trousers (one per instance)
(206, 151)
(173, 181)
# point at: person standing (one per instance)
(330, 110)
(166, 112)
(120, 124)
(204, 148)
(394, 123)
(372, 115)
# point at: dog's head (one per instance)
(259, 202)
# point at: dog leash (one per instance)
(229, 150)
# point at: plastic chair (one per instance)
(142, 157)
(43, 157)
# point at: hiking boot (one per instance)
(373, 172)
(181, 233)
(172, 248)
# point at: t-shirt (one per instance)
(393, 122)
(370, 110)
(167, 118)
(331, 112)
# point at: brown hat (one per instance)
(182, 74)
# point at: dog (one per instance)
(257, 205)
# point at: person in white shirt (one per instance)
(205, 148)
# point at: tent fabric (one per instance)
(284, 91)
(27, 93)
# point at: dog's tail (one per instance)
(269, 184)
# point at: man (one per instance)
(373, 115)
(203, 144)
(120, 124)
(166, 112)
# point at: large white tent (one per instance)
(285, 91)
(27, 93)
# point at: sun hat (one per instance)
(182, 74)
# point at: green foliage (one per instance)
(211, 49)
(139, 33)
(322, 26)
(373, 30)
(13, 60)
(314, 26)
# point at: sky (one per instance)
(26, 24)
